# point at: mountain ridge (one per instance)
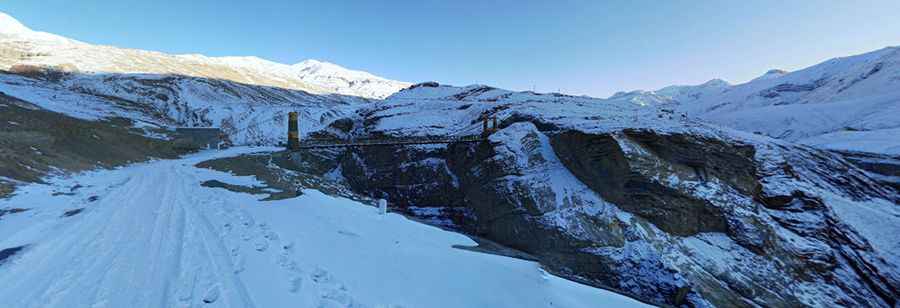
(838, 104)
(20, 45)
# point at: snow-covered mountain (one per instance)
(849, 103)
(21, 46)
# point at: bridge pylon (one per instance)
(293, 131)
(485, 130)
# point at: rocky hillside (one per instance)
(22, 48)
(36, 143)
(632, 198)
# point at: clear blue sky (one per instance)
(579, 47)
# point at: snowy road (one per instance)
(149, 235)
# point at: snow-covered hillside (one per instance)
(248, 114)
(149, 235)
(850, 103)
(22, 46)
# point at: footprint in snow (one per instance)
(337, 297)
(272, 236)
(212, 294)
(348, 233)
(261, 245)
(246, 219)
(296, 284)
(287, 249)
(238, 264)
(327, 303)
(320, 275)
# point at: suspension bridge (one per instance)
(295, 144)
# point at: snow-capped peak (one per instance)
(316, 67)
(9, 25)
(715, 83)
(336, 77)
(689, 93)
(312, 63)
(772, 73)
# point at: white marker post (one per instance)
(382, 206)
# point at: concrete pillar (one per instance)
(293, 131)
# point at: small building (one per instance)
(201, 137)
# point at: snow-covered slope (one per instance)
(22, 46)
(848, 103)
(149, 235)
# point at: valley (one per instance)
(778, 192)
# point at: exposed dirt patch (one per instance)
(282, 181)
(71, 213)
(5, 254)
(253, 190)
(6, 189)
(4, 212)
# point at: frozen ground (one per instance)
(148, 235)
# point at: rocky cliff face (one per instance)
(670, 211)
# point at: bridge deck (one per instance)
(337, 143)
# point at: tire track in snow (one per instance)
(213, 245)
(42, 276)
(127, 250)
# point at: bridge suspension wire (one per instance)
(455, 137)
(458, 135)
